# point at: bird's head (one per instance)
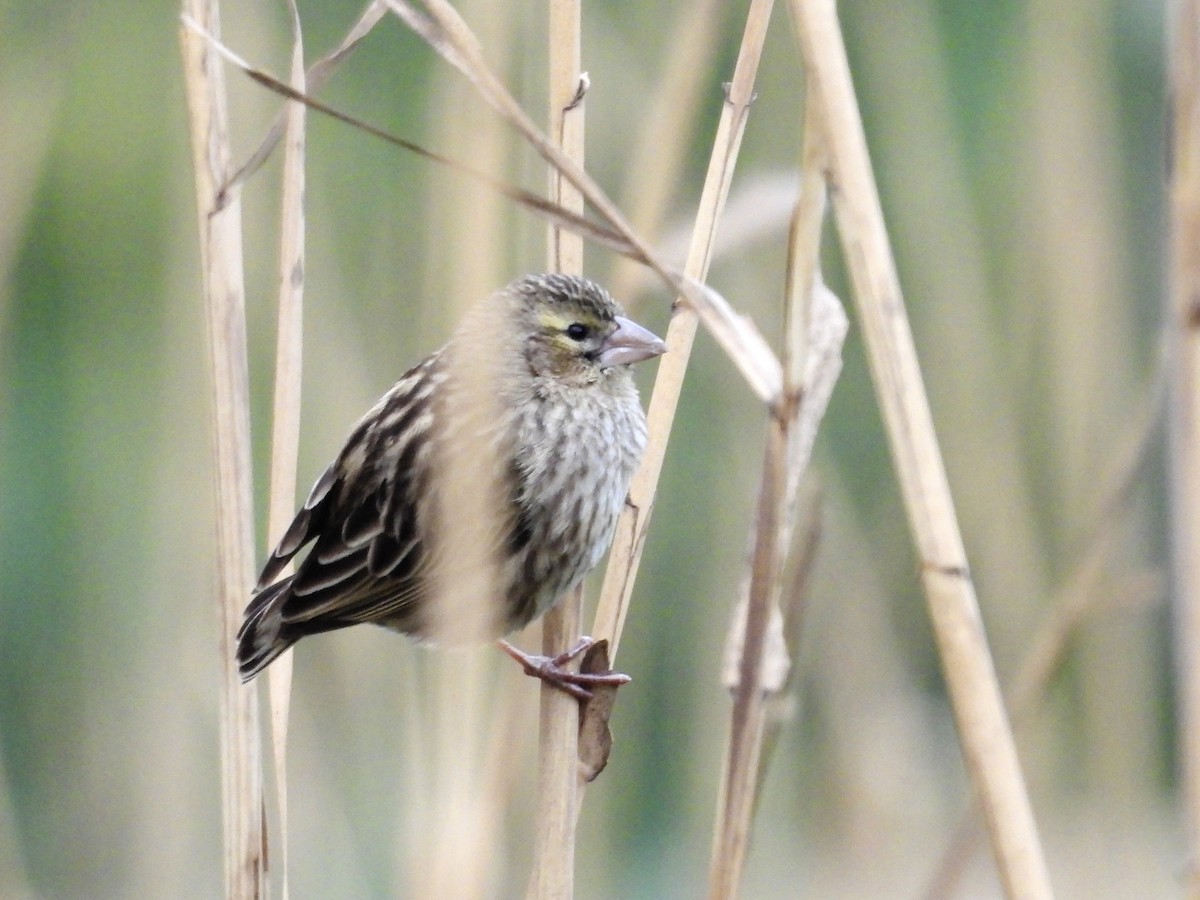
(575, 332)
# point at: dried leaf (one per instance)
(595, 738)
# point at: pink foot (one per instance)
(550, 669)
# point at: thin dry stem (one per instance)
(798, 569)
(553, 874)
(221, 260)
(1184, 324)
(759, 654)
(984, 731)
(460, 850)
(770, 636)
(626, 554)
(738, 787)
(760, 659)
(285, 429)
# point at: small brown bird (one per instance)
(531, 409)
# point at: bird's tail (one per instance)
(262, 636)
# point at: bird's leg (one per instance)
(550, 669)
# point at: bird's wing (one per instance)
(362, 516)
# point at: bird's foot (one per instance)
(551, 669)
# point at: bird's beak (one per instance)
(630, 343)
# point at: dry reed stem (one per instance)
(1184, 327)
(758, 660)
(761, 642)
(285, 423)
(459, 850)
(629, 541)
(778, 708)
(221, 261)
(736, 797)
(984, 731)
(457, 842)
(553, 873)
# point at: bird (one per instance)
(478, 491)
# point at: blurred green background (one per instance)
(1019, 150)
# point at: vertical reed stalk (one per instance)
(984, 730)
(736, 798)
(553, 874)
(455, 842)
(1184, 326)
(759, 654)
(285, 429)
(221, 262)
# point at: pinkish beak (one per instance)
(629, 344)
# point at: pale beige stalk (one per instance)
(984, 731)
(221, 265)
(758, 656)
(285, 421)
(553, 874)
(455, 843)
(1184, 326)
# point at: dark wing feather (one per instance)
(362, 518)
(309, 522)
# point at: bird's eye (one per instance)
(577, 331)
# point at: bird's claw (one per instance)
(551, 669)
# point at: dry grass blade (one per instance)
(552, 212)
(1184, 325)
(741, 340)
(316, 78)
(446, 33)
(221, 257)
(984, 731)
(285, 433)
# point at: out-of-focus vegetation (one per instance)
(1018, 147)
